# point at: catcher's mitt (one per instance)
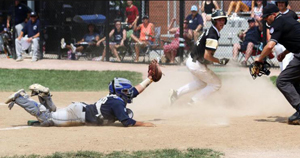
(259, 69)
(154, 71)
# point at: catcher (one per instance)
(105, 111)
(203, 54)
(284, 30)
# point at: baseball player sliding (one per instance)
(105, 111)
(202, 54)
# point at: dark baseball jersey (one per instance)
(291, 14)
(21, 12)
(286, 31)
(31, 28)
(112, 108)
(208, 40)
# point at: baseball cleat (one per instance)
(173, 96)
(38, 89)
(73, 48)
(19, 59)
(14, 96)
(294, 119)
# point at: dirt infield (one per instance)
(246, 118)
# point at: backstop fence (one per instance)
(69, 19)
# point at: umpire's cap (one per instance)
(218, 14)
(269, 9)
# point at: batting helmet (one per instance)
(122, 88)
(218, 14)
(286, 2)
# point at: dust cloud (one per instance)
(239, 96)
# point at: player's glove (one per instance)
(223, 61)
(259, 69)
(154, 71)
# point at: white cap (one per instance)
(194, 8)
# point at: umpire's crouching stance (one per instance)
(287, 32)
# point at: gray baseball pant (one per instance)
(35, 48)
(288, 82)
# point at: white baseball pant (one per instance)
(69, 116)
(205, 80)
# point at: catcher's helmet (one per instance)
(122, 88)
(286, 2)
(218, 14)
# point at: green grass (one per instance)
(62, 80)
(273, 79)
(164, 153)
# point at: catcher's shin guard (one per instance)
(46, 100)
(36, 109)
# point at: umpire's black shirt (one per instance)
(286, 31)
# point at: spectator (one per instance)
(207, 8)
(129, 29)
(146, 36)
(22, 14)
(132, 17)
(244, 5)
(252, 37)
(283, 6)
(256, 12)
(195, 22)
(32, 29)
(119, 35)
(170, 50)
(88, 42)
(131, 12)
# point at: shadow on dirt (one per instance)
(274, 119)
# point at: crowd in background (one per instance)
(123, 34)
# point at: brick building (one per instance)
(162, 12)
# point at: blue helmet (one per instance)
(122, 88)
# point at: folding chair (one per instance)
(155, 47)
(257, 49)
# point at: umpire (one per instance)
(285, 30)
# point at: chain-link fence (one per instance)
(69, 19)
